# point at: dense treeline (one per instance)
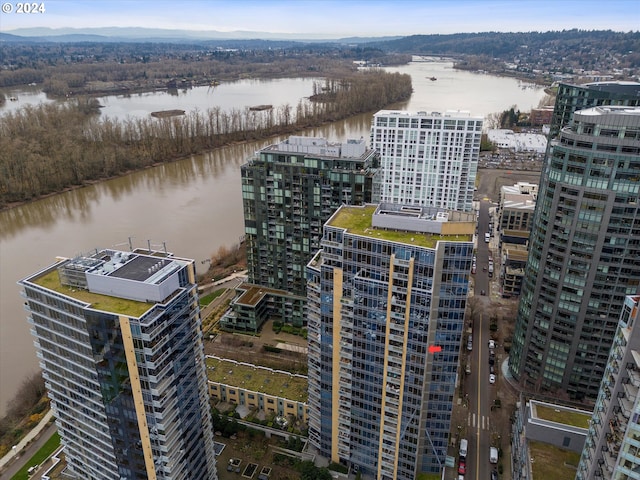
(87, 68)
(49, 148)
(24, 411)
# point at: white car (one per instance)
(492, 344)
(492, 378)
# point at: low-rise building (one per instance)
(515, 213)
(541, 116)
(258, 388)
(541, 428)
(514, 259)
(517, 142)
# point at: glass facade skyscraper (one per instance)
(119, 339)
(288, 191)
(584, 253)
(386, 301)
(571, 98)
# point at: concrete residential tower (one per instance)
(119, 339)
(612, 449)
(386, 301)
(584, 253)
(428, 159)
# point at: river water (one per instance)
(192, 206)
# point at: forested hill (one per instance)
(497, 44)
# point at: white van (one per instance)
(493, 454)
(487, 237)
(463, 448)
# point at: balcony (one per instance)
(634, 375)
(625, 405)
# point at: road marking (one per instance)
(480, 343)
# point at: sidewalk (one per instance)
(15, 451)
(238, 274)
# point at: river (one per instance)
(192, 206)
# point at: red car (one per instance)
(462, 468)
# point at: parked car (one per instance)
(493, 454)
(492, 344)
(494, 475)
(492, 378)
(462, 468)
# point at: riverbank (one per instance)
(69, 148)
(18, 449)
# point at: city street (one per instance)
(476, 420)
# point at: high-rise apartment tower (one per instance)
(571, 98)
(584, 253)
(386, 302)
(289, 190)
(119, 339)
(428, 159)
(612, 448)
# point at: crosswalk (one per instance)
(481, 421)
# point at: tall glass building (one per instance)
(584, 253)
(571, 98)
(119, 339)
(428, 159)
(288, 191)
(386, 301)
(612, 447)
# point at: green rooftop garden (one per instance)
(564, 416)
(357, 220)
(120, 306)
(549, 461)
(256, 379)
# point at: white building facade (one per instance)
(612, 448)
(427, 159)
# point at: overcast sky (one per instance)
(333, 18)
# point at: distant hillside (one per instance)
(494, 44)
(504, 45)
(139, 34)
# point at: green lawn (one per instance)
(210, 297)
(549, 461)
(357, 220)
(257, 379)
(561, 415)
(41, 455)
(98, 301)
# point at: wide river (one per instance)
(192, 206)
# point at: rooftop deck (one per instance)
(119, 306)
(257, 379)
(358, 221)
